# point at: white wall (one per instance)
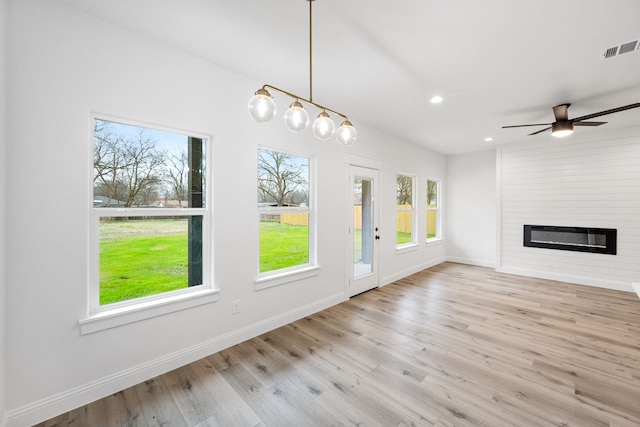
(4, 10)
(62, 66)
(423, 165)
(470, 207)
(572, 183)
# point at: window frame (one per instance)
(437, 210)
(414, 238)
(105, 316)
(311, 268)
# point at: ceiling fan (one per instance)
(563, 126)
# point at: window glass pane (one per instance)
(432, 194)
(433, 212)
(284, 240)
(404, 216)
(404, 190)
(404, 222)
(283, 201)
(141, 167)
(363, 226)
(141, 257)
(283, 179)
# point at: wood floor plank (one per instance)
(453, 345)
(156, 403)
(230, 410)
(124, 409)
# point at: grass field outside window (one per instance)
(140, 258)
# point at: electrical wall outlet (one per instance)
(235, 307)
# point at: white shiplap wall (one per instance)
(563, 183)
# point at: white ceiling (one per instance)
(495, 62)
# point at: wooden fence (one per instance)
(403, 221)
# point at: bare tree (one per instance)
(144, 162)
(281, 180)
(404, 189)
(108, 161)
(176, 174)
(124, 166)
(432, 192)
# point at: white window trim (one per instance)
(407, 247)
(146, 308)
(282, 276)
(413, 244)
(287, 275)
(101, 317)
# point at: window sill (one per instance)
(145, 310)
(434, 241)
(286, 277)
(407, 248)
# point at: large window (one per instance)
(285, 212)
(405, 215)
(150, 223)
(433, 210)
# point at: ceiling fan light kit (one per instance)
(563, 126)
(262, 108)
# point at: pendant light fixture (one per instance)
(263, 109)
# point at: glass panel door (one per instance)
(364, 231)
(362, 227)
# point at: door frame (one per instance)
(369, 169)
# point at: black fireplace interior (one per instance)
(581, 239)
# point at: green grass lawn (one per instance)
(142, 258)
(403, 238)
(282, 245)
(149, 257)
(134, 267)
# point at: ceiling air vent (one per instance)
(611, 52)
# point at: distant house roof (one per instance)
(103, 201)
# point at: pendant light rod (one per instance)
(308, 101)
(263, 109)
(310, 51)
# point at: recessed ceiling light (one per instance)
(436, 99)
(488, 139)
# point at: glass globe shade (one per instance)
(296, 117)
(261, 106)
(346, 133)
(323, 126)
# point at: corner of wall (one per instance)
(470, 209)
(498, 262)
(4, 12)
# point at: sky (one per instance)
(172, 141)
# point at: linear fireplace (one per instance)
(582, 239)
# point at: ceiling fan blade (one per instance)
(521, 126)
(540, 131)
(588, 123)
(560, 112)
(603, 113)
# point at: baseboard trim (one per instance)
(409, 271)
(52, 406)
(569, 278)
(477, 262)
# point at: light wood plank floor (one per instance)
(454, 345)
